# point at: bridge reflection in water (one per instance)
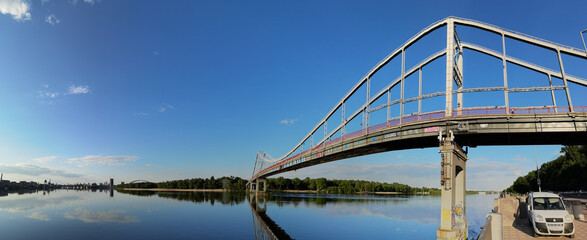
(263, 225)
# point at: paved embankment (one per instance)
(515, 222)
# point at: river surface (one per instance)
(70, 214)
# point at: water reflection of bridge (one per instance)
(263, 225)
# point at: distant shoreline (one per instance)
(223, 190)
(174, 190)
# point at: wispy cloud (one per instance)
(49, 96)
(74, 90)
(91, 2)
(39, 216)
(51, 19)
(88, 216)
(92, 160)
(18, 9)
(45, 159)
(153, 165)
(493, 175)
(414, 174)
(34, 170)
(161, 108)
(519, 158)
(166, 107)
(28, 204)
(288, 122)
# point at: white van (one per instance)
(548, 215)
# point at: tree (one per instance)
(280, 182)
(320, 183)
(296, 182)
(567, 172)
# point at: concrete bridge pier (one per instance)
(453, 222)
(258, 184)
(253, 187)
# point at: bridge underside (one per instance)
(567, 129)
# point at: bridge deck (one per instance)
(470, 129)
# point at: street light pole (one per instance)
(537, 169)
(582, 39)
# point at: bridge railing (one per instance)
(479, 111)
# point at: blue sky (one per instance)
(162, 90)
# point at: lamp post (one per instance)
(582, 39)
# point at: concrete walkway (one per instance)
(521, 229)
(524, 231)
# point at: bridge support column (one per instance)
(258, 184)
(453, 224)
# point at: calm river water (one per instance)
(70, 214)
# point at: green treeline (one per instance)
(232, 184)
(344, 186)
(322, 185)
(565, 173)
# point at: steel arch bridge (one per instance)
(139, 181)
(451, 128)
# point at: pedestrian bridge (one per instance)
(453, 125)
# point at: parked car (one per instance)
(548, 215)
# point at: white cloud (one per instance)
(88, 216)
(91, 2)
(51, 19)
(18, 9)
(493, 175)
(165, 107)
(45, 159)
(153, 165)
(519, 158)
(43, 2)
(34, 170)
(557, 153)
(414, 174)
(288, 122)
(91, 160)
(48, 96)
(39, 216)
(74, 90)
(28, 204)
